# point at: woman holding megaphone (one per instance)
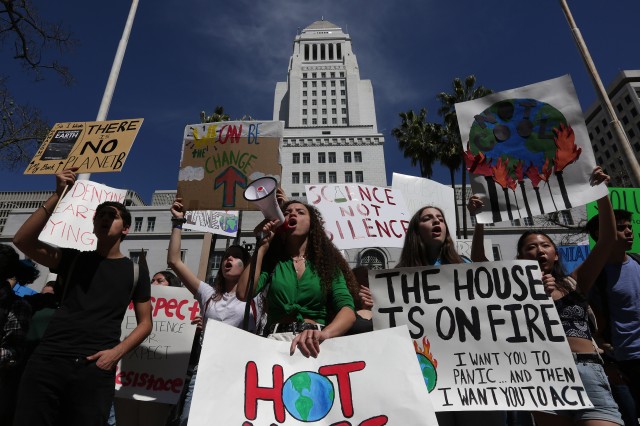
(309, 286)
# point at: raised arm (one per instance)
(266, 230)
(26, 239)
(587, 272)
(478, 254)
(174, 260)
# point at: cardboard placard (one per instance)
(220, 159)
(218, 222)
(92, 146)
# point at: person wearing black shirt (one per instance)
(70, 378)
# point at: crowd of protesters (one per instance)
(59, 348)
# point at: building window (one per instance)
(566, 217)
(348, 177)
(347, 157)
(314, 84)
(137, 224)
(304, 102)
(304, 121)
(304, 112)
(314, 93)
(296, 158)
(357, 157)
(295, 177)
(344, 110)
(324, 102)
(314, 102)
(344, 121)
(619, 107)
(151, 224)
(334, 121)
(333, 93)
(314, 121)
(343, 101)
(343, 92)
(323, 83)
(334, 110)
(304, 93)
(614, 148)
(625, 120)
(496, 252)
(341, 83)
(306, 177)
(333, 101)
(324, 121)
(324, 93)
(306, 157)
(304, 84)
(333, 84)
(609, 135)
(295, 194)
(627, 99)
(332, 157)
(634, 112)
(322, 177)
(324, 110)
(304, 75)
(314, 111)
(359, 177)
(321, 157)
(332, 177)
(597, 130)
(373, 259)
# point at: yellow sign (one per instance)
(93, 146)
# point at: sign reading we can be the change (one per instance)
(486, 335)
(94, 146)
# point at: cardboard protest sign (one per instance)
(71, 224)
(419, 192)
(92, 146)
(359, 216)
(367, 379)
(572, 256)
(155, 370)
(213, 221)
(528, 151)
(220, 159)
(624, 199)
(486, 335)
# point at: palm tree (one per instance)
(416, 138)
(218, 115)
(462, 92)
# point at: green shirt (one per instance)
(302, 298)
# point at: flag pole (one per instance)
(115, 71)
(618, 130)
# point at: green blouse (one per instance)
(302, 298)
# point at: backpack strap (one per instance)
(136, 277)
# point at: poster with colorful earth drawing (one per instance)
(527, 151)
(486, 335)
(370, 379)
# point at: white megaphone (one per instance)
(262, 192)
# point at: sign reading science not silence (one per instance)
(92, 147)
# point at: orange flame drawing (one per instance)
(533, 175)
(519, 170)
(547, 169)
(511, 183)
(477, 164)
(568, 152)
(501, 173)
(426, 345)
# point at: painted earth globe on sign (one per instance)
(429, 372)
(517, 129)
(308, 396)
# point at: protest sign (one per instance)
(71, 224)
(528, 151)
(359, 216)
(363, 380)
(213, 221)
(92, 147)
(624, 199)
(486, 335)
(419, 192)
(463, 247)
(220, 159)
(155, 370)
(572, 256)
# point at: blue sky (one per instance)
(184, 57)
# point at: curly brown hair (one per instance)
(323, 256)
(414, 252)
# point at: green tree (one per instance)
(218, 115)
(418, 140)
(451, 149)
(35, 44)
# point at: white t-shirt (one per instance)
(228, 309)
